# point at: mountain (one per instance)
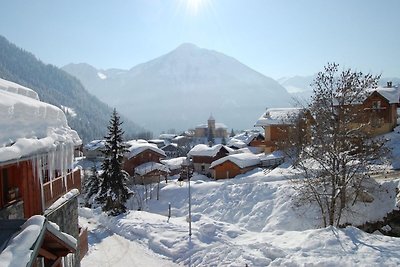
(182, 88)
(85, 112)
(297, 84)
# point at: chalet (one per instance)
(140, 152)
(171, 150)
(36, 162)
(379, 110)
(247, 139)
(174, 165)
(276, 123)
(94, 149)
(150, 172)
(217, 131)
(202, 156)
(233, 165)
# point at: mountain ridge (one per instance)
(198, 80)
(57, 87)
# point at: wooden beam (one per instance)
(57, 263)
(47, 254)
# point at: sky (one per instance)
(277, 38)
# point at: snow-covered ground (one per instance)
(252, 219)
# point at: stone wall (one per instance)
(66, 217)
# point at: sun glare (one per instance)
(194, 6)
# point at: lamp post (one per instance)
(190, 196)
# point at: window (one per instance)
(376, 105)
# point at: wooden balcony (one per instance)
(57, 187)
(83, 242)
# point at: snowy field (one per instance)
(252, 219)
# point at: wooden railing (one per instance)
(56, 188)
(83, 242)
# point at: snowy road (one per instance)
(107, 249)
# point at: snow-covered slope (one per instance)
(186, 84)
(252, 219)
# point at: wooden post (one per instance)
(169, 211)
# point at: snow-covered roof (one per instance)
(243, 139)
(18, 89)
(392, 94)
(28, 240)
(167, 136)
(274, 155)
(278, 116)
(174, 163)
(169, 145)
(218, 125)
(242, 160)
(29, 126)
(148, 167)
(95, 144)
(205, 150)
(138, 146)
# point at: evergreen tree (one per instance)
(113, 190)
(232, 134)
(91, 187)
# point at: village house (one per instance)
(233, 165)
(36, 174)
(94, 150)
(171, 150)
(216, 131)
(141, 152)
(202, 156)
(379, 110)
(247, 139)
(174, 165)
(150, 172)
(276, 123)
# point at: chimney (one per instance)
(389, 84)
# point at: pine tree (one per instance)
(232, 134)
(113, 190)
(92, 186)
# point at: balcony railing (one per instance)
(83, 242)
(57, 187)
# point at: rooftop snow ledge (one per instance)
(31, 126)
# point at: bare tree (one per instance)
(334, 154)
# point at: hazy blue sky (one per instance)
(277, 38)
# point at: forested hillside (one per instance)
(90, 116)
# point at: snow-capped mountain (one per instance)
(182, 88)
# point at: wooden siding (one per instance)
(148, 155)
(228, 170)
(20, 175)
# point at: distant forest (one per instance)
(57, 87)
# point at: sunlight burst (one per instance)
(194, 6)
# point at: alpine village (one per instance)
(166, 173)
